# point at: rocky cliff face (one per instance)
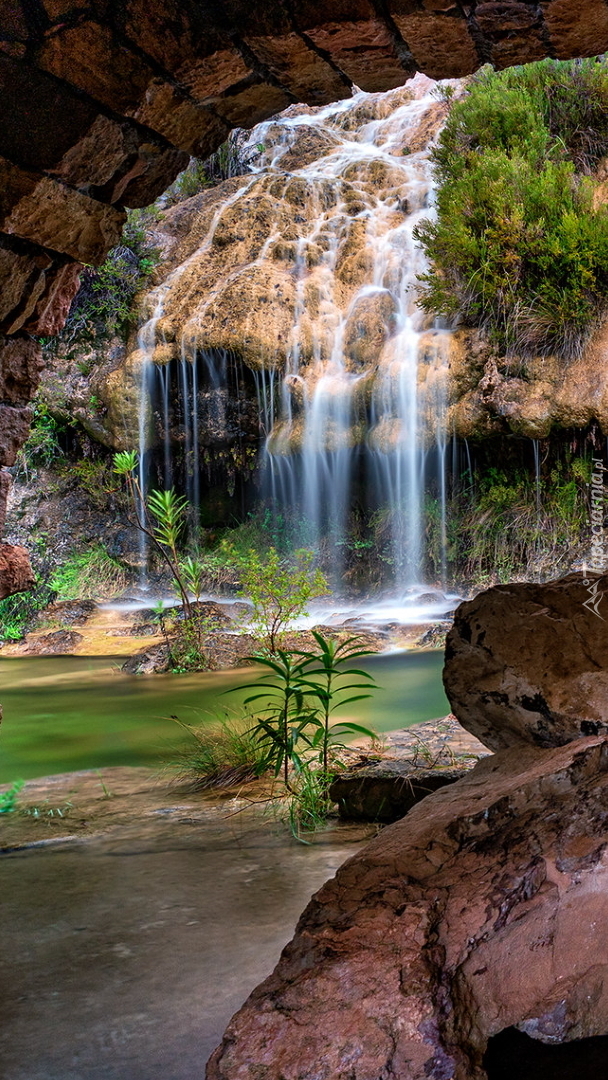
(258, 269)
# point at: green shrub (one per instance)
(18, 612)
(280, 589)
(223, 753)
(91, 574)
(517, 247)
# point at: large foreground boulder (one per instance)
(528, 663)
(486, 908)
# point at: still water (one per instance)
(64, 713)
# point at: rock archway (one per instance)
(103, 102)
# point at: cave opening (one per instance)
(513, 1055)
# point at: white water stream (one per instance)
(334, 423)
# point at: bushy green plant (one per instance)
(42, 447)
(89, 575)
(517, 246)
(280, 589)
(103, 305)
(18, 612)
(223, 753)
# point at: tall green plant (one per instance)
(324, 672)
(281, 722)
(161, 518)
(279, 588)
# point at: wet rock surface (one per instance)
(483, 909)
(528, 663)
(57, 643)
(413, 763)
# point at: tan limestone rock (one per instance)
(528, 663)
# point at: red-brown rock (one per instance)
(14, 428)
(484, 909)
(20, 366)
(528, 663)
(15, 570)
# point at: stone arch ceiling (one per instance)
(102, 102)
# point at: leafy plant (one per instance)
(518, 247)
(280, 589)
(224, 753)
(279, 725)
(9, 799)
(18, 612)
(89, 575)
(324, 672)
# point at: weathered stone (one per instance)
(60, 218)
(442, 47)
(15, 571)
(483, 909)
(70, 612)
(387, 791)
(5, 487)
(23, 280)
(14, 428)
(20, 366)
(528, 663)
(57, 643)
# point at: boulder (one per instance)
(16, 574)
(57, 643)
(484, 909)
(528, 663)
(386, 791)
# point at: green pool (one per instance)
(64, 713)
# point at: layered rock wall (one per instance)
(102, 103)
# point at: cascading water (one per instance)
(352, 407)
(403, 418)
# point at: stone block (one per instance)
(14, 430)
(20, 366)
(16, 574)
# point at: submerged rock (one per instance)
(528, 663)
(483, 909)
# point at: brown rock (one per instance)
(57, 643)
(53, 307)
(20, 366)
(528, 663)
(15, 570)
(482, 910)
(64, 220)
(14, 428)
(387, 791)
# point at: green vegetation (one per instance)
(286, 728)
(518, 247)
(19, 611)
(225, 754)
(498, 531)
(279, 588)
(89, 575)
(42, 447)
(9, 799)
(103, 305)
(227, 161)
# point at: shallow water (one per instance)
(63, 713)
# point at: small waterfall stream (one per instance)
(356, 412)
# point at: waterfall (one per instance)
(313, 449)
(352, 407)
